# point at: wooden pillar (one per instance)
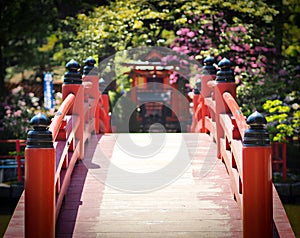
(90, 74)
(257, 180)
(39, 180)
(208, 74)
(196, 109)
(224, 83)
(73, 84)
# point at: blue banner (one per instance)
(48, 91)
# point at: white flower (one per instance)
(295, 106)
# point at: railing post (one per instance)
(104, 115)
(73, 84)
(257, 180)
(224, 83)
(39, 180)
(90, 74)
(18, 159)
(208, 74)
(196, 97)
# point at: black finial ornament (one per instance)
(198, 86)
(256, 135)
(89, 66)
(73, 75)
(209, 68)
(102, 86)
(225, 74)
(40, 136)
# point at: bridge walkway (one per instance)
(195, 202)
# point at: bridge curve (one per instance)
(236, 195)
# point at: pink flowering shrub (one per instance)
(17, 109)
(254, 59)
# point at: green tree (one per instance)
(126, 24)
(27, 30)
(24, 25)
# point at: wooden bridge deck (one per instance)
(198, 203)
(116, 192)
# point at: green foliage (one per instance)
(128, 24)
(283, 119)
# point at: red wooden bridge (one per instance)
(82, 180)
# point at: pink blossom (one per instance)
(243, 29)
(16, 90)
(240, 61)
(176, 48)
(246, 46)
(236, 48)
(18, 113)
(182, 31)
(237, 70)
(191, 34)
(179, 32)
(21, 103)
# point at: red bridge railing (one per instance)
(18, 156)
(245, 150)
(52, 150)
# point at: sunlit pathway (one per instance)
(157, 185)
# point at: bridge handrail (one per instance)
(60, 115)
(237, 113)
(53, 148)
(18, 157)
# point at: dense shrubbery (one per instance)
(16, 111)
(261, 84)
(261, 38)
